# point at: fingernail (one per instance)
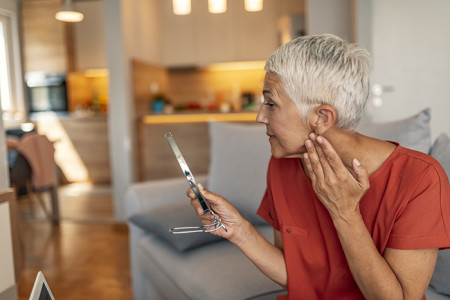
(357, 163)
(308, 144)
(319, 140)
(312, 136)
(305, 156)
(201, 186)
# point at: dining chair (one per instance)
(35, 171)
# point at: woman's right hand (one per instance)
(224, 211)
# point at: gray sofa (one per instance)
(201, 266)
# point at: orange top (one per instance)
(406, 207)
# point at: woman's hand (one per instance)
(337, 188)
(224, 211)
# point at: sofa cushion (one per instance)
(240, 155)
(413, 133)
(160, 219)
(215, 271)
(441, 152)
(440, 282)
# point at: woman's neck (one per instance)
(372, 153)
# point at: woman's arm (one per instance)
(267, 257)
(398, 274)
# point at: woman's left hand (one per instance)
(337, 188)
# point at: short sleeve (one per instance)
(425, 220)
(266, 209)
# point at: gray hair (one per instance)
(324, 69)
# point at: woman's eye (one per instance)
(269, 104)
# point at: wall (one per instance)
(144, 75)
(205, 86)
(121, 106)
(8, 288)
(83, 87)
(410, 47)
(195, 86)
(329, 16)
(131, 32)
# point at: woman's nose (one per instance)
(262, 115)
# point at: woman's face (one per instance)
(286, 130)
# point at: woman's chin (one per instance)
(281, 154)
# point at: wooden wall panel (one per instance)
(144, 75)
(44, 37)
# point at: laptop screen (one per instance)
(41, 290)
(45, 294)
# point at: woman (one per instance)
(353, 217)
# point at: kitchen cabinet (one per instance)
(214, 34)
(202, 38)
(258, 35)
(44, 38)
(89, 37)
(54, 46)
(178, 37)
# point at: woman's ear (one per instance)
(324, 117)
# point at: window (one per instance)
(11, 93)
(5, 83)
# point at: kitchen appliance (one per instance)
(46, 92)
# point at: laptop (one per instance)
(41, 290)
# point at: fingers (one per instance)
(308, 163)
(362, 175)
(315, 159)
(194, 202)
(322, 160)
(211, 197)
(332, 158)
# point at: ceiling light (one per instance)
(253, 5)
(68, 14)
(217, 6)
(181, 7)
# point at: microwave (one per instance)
(46, 92)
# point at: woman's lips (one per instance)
(271, 136)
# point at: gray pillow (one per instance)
(441, 152)
(440, 282)
(160, 219)
(240, 155)
(413, 133)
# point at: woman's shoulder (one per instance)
(412, 161)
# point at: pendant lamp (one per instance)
(181, 7)
(68, 14)
(217, 6)
(253, 5)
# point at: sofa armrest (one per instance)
(146, 195)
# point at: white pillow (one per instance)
(240, 154)
(413, 133)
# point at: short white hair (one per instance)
(324, 69)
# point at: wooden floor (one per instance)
(86, 256)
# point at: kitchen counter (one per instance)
(81, 145)
(198, 117)
(190, 130)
